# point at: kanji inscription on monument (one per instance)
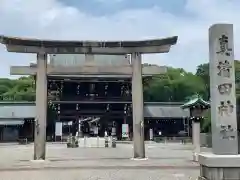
(222, 83)
(224, 69)
(225, 108)
(227, 132)
(224, 48)
(225, 88)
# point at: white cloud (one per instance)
(51, 19)
(110, 2)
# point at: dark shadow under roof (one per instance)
(151, 109)
(8, 40)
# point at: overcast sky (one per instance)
(120, 20)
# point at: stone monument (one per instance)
(224, 161)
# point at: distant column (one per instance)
(137, 102)
(151, 134)
(41, 108)
(196, 138)
(80, 133)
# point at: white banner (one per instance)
(113, 131)
(151, 134)
(125, 130)
(58, 129)
(96, 130)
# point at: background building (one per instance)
(17, 121)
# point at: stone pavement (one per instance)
(165, 162)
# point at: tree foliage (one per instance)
(21, 89)
(177, 85)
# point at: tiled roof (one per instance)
(195, 102)
(167, 111)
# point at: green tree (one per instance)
(206, 124)
(175, 86)
(21, 89)
(203, 73)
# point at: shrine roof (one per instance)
(8, 40)
(152, 110)
(196, 102)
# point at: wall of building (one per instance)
(17, 111)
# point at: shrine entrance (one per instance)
(42, 70)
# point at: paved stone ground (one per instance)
(165, 162)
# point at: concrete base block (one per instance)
(91, 142)
(139, 159)
(219, 167)
(39, 161)
(195, 156)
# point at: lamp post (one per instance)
(197, 107)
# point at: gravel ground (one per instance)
(164, 162)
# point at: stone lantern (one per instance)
(197, 107)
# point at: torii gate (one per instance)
(44, 47)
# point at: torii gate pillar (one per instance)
(41, 108)
(137, 106)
